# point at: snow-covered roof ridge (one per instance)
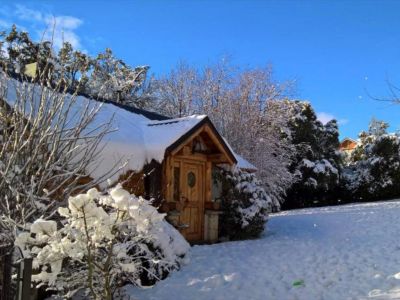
(178, 120)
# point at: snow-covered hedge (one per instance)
(102, 242)
(245, 205)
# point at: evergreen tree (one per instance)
(316, 162)
(245, 205)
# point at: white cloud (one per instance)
(24, 13)
(343, 121)
(324, 118)
(62, 28)
(47, 26)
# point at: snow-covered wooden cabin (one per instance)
(168, 160)
(171, 161)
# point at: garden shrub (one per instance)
(101, 243)
(245, 205)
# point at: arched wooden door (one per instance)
(191, 196)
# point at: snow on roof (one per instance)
(134, 139)
(244, 164)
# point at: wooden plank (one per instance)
(167, 181)
(193, 157)
(26, 279)
(208, 183)
(217, 158)
(5, 276)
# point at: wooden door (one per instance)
(192, 199)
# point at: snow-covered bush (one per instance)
(102, 242)
(245, 204)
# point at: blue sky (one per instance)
(338, 51)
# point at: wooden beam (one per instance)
(217, 158)
(206, 128)
(188, 140)
(218, 144)
(208, 183)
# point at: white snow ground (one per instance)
(343, 252)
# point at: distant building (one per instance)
(347, 145)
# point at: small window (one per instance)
(177, 178)
(191, 179)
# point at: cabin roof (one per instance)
(141, 139)
(137, 136)
(348, 139)
(139, 111)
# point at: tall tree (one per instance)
(316, 162)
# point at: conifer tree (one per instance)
(316, 162)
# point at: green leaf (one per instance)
(298, 283)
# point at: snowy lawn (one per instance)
(346, 252)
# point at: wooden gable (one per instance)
(187, 179)
(204, 139)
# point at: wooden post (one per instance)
(24, 279)
(5, 276)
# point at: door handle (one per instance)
(183, 226)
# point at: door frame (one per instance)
(202, 170)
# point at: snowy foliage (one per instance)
(103, 77)
(315, 162)
(103, 241)
(114, 80)
(373, 171)
(242, 104)
(245, 204)
(48, 142)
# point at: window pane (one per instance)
(191, 179)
